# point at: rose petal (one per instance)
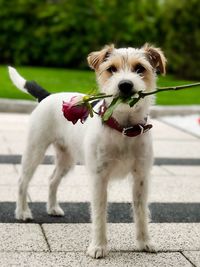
(73, 112)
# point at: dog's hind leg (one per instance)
(32, 157)
(64, 163)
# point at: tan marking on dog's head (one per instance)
(156, 57)
(112, 65)
(137, 66)
(118, 63)
(143, 68)
(96, 58)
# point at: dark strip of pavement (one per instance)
(117, 213)
(48, 160)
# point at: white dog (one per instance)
(108, 150)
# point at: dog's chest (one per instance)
(121, 164)
(118, 154)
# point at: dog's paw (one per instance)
(55, 211)
(23, 214)
(97, 252)
(146, 246)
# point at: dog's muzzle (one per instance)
(126, 87)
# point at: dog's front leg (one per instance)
(141, 175)
(97, 247)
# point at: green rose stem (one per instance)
(160, 89)
(131, 101)
(174, 88)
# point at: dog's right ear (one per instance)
(96, 58)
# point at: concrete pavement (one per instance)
(47, 241)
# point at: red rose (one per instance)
(74, 111)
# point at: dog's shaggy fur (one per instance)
(105, 152)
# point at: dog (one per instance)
(108, 150)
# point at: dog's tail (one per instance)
(30, 87)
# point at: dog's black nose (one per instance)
(126, 87)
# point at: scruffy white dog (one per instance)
(108, 150)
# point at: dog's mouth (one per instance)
(127, 96)
(126, 88)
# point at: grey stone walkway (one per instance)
(54, 243)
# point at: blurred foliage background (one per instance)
(60, 33)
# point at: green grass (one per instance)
(189, 96)
(59, 80)
(52, 79)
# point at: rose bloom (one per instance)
(73, 111)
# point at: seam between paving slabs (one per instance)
(163, 167)
(178, 128)
(45, 237)
(188, 259)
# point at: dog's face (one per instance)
(126, 71)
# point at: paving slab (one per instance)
(77, 177)
(159, 171)
(176, 149)
(8, 193)
(38, 259)
(163, 131)
(4, 149)
(16, 144)
(8, 175)
(67, 237)
(189, 171)
(15, 147)
(13, 121)
(175, 189)
(75, 187)
(189, 123)
(127, 259)
(193, 256)
(14, 129)
(70, 193)
(58, 259)
(167, 237)
(21, 237)
(162, 189)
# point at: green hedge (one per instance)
(181, 30)
(62, 32)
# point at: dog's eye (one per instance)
(139, 69)
(112, 69)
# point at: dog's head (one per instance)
(125, 71)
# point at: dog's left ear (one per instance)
(156, 58)
(96, 58)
